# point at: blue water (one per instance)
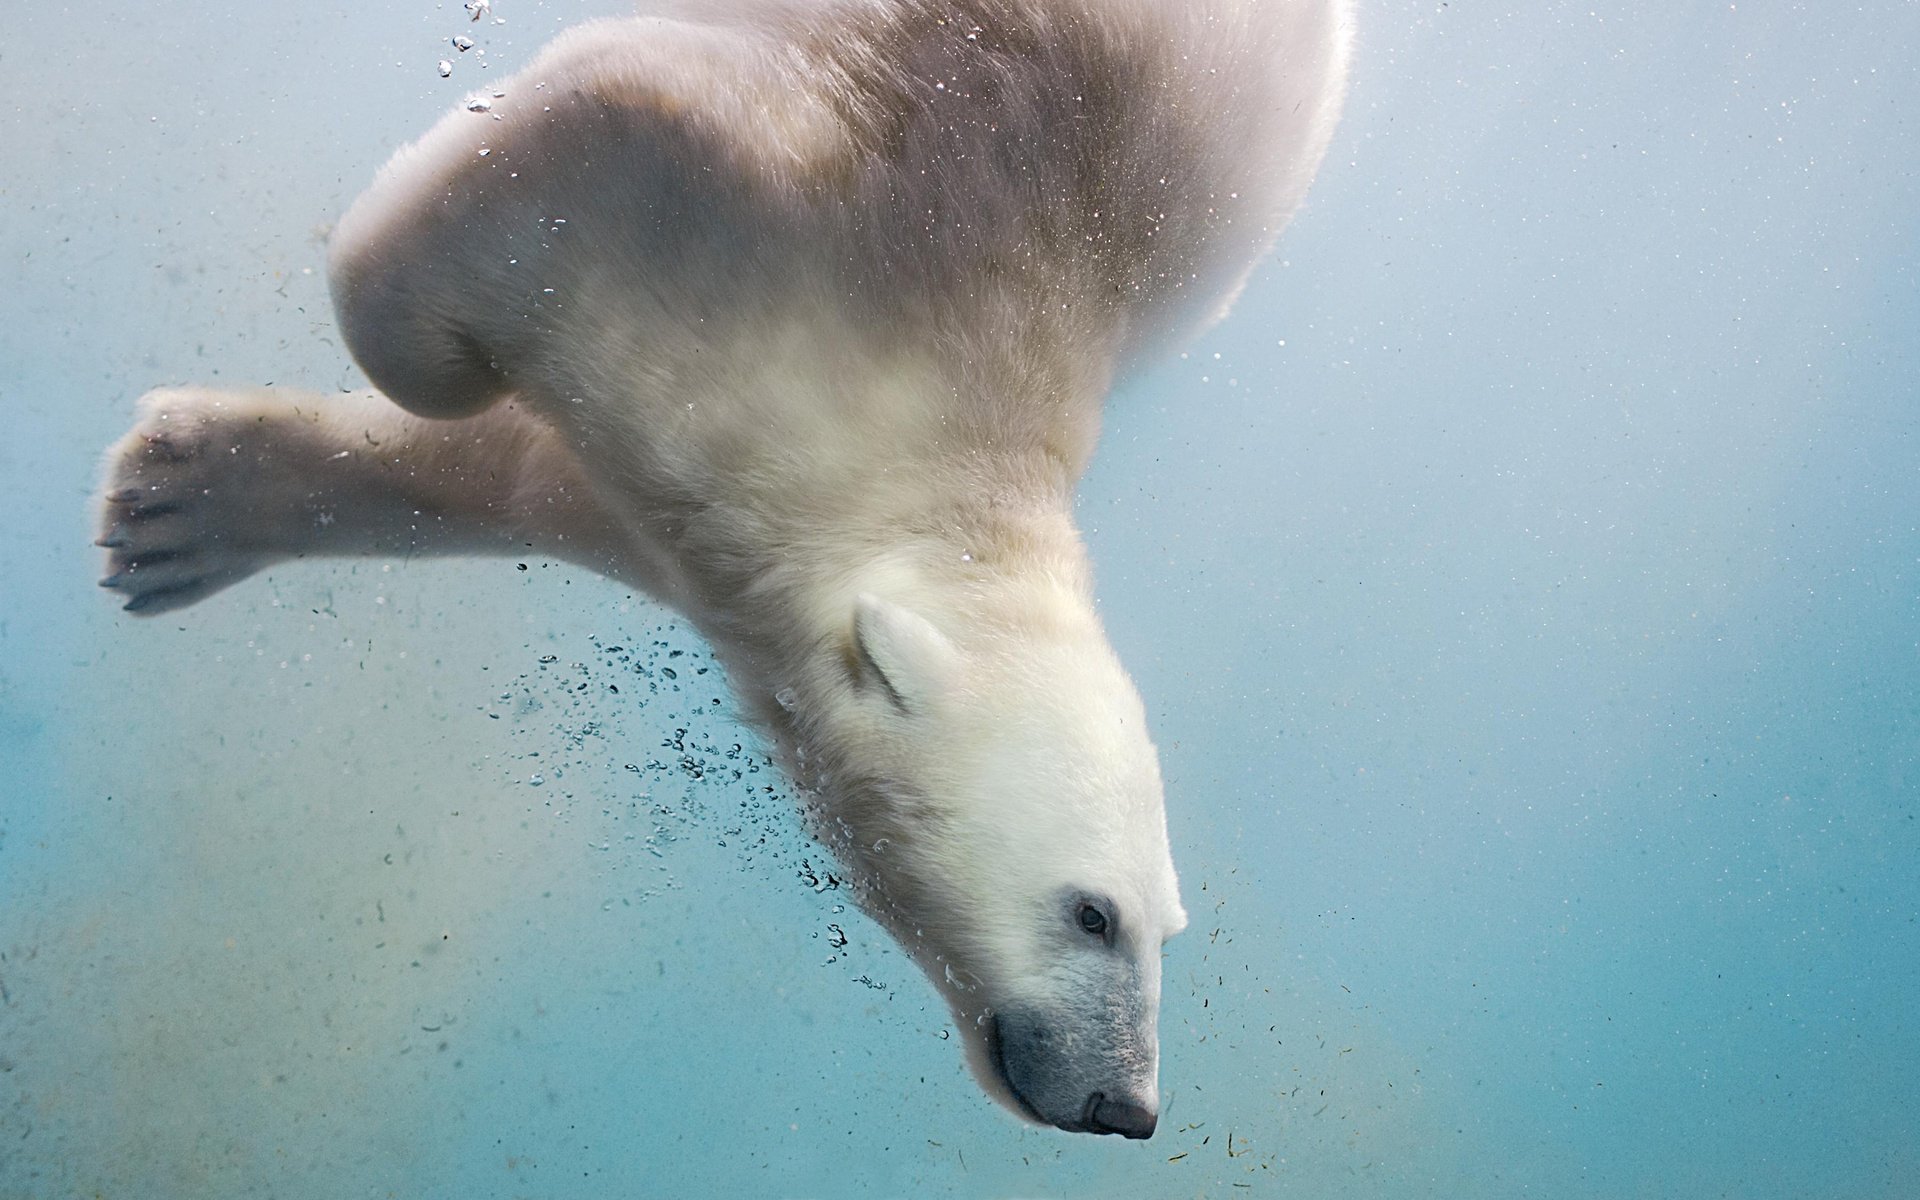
(1525, 584)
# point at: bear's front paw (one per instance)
(177, 506)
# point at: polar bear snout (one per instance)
(1076, 1077)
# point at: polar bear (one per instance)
(797, 316)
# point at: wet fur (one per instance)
(800, 316)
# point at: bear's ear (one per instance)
(900, 652)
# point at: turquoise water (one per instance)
(1525, 584)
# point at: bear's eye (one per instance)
(1093, 920)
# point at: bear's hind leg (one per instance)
(212, 485)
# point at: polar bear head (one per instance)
(991, 783)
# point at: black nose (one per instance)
(1118, 1116)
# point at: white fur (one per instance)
(803, 314)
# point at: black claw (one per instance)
(112, 541)
(161, 597)
(145, 600)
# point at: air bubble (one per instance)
(785, 698)
(446, 68)
(463, 43)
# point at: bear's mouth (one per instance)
(996, 1052)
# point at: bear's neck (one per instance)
(990, 561)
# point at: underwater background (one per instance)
(1524, 583)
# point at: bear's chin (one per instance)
(989, 1068)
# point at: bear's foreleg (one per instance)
(212, 485)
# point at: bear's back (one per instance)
(1032, 190)
(1131, 158)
